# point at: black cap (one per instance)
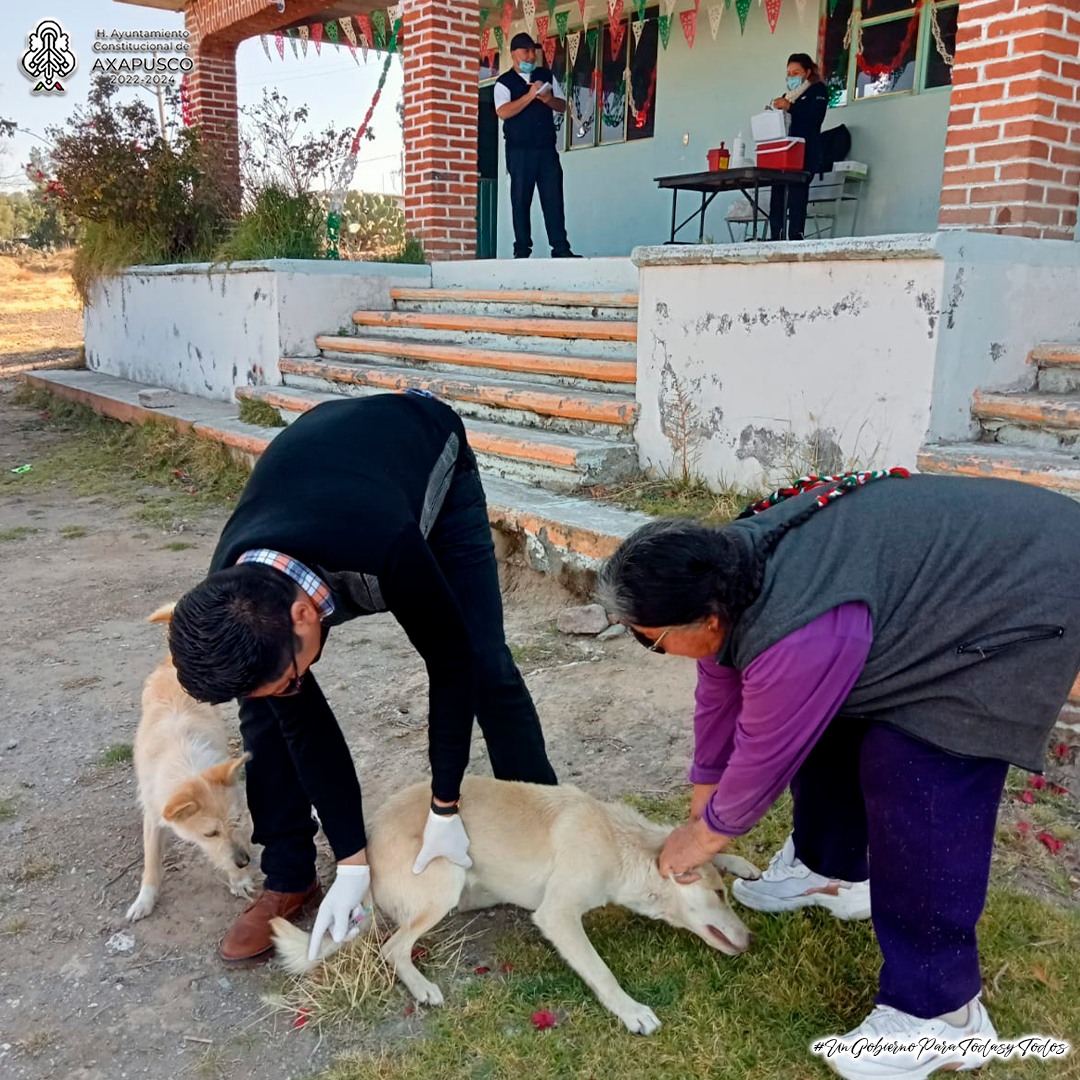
(522, 41)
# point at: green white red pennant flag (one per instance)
(331, 31)
(716, 13)
(549, 50)
(743, 8)
(573, 44)
(291, 35)
(638, 25)
(551, 8)
(316, 36)
(562, 20)
(265, 44)
(507, 16)
(542, 23)
(303, 38)
(378, 21)
(279, 41)
(500, 37)
(664, 23)
(529, 8)
(581, 8)
(772, 13)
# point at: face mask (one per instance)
(794, 82)
(526, 67)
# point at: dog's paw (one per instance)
(243, 887)
(144, 904)
(427, 993)
(737, 866)
(639, 1019)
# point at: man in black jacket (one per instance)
(526, 99)
(362, 505)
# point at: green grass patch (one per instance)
(805, 976)
(163, 475)
(17, 532)
(261, 413)
(412, 251)
(278, 226)
(680, 498)
(117, 754)
(72, 532)
(177, 545)
(36, 868)
(8, 808)
(16, 924)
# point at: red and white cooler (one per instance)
(786, 154)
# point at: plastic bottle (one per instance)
(738, 152)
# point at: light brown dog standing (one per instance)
(187, 783)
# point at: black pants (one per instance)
(536, 167)
(797, 197)
(281, 810)
(873, 802)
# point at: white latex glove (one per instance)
(443, 836)
(344, 897)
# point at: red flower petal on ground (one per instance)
(1061, 750)
(1023, 827)
(1057, 789)
(419, 952)
(481, 970)
(1037, 782)
(1051, 843)
(1027, 797)
(302, 1017)
(506, 968)
(543, 1019)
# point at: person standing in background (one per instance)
(526, 100)
(806, 101)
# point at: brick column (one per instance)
(442, 69)
(212, 88)
(1012, 157)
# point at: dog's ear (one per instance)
(736, 865)
(163, 613)
(180, 806)
(226, 772)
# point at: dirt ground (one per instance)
(75, 650)
(40, 315)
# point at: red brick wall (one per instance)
(442, 69)
(1012, 155)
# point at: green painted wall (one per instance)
(710, 92)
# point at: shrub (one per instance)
(278, 226)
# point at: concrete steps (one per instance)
(1026, 435)
(559, 461)
(519, 302)
(554, 533)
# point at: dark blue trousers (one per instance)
(873, 802)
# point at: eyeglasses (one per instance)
(651, 645)
(296, 683)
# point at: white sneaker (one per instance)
(789, 884)
(894, 1045)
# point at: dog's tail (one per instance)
(292, 946)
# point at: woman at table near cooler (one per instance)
(806, 100)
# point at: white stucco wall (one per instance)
(837, 353)
(796, 357)
(709, 93)
(206, 330)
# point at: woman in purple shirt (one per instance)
(886, 655)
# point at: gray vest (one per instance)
(974, 590)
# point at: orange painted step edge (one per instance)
(103, 406)
(520, 296)
(581, 367)
(553, 404)
(993, 408)
(976, 466)
(570, 538)
(1060, 353)
(593, 330)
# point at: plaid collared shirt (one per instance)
(311, 583)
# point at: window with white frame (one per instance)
(872, 48)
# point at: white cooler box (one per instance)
(770, 124)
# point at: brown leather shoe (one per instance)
(250, 935)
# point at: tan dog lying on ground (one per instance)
(553, 850)
(187, 782)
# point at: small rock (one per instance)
(224, 983)
(11, 744)
(120, 943)
(613, 631)
(588, 619)
(158, 397)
